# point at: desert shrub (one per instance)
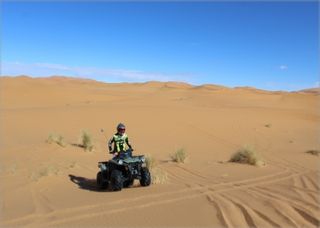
(150, 161)
(314, 152)
(59, 140)
(246, 154)
(87, 140)
(180, 156)
(158, 176)
(52, 138)
(46, 171)
(35, 177)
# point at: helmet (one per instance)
(121, 128)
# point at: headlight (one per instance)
(120, 162)
(143, 159)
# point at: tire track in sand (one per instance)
(197, 191)
(67, 215)
(287, 204)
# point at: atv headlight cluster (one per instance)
(143, 159)
(120, 162)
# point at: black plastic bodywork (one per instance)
(130, 166)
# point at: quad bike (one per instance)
(121, 172)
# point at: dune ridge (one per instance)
(47, 185)
(158, 84)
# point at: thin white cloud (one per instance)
(283, 67)
(101, 74)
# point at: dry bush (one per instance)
(150, 161)
(34, 177)
(314, 152)
(46, 171)
(246, 154)
(180, 156)
(52, 138)
(59, 140)
(87, 140)
(158, 176)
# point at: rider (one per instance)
(120, 140)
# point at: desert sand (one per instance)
(210, 122)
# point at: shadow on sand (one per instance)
(85, 183)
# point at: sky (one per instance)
(267, 45)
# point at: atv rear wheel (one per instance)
(100, 183)
(116, 180)
(145, 177)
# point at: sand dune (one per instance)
(46, 185)
(314, 91)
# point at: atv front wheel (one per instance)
(145, 177)
(116, 180)
(100, 183)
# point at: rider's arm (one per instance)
(110, 144)
(128, 143)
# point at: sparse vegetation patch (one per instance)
(46, 171)
(61, 141)
(74, 163)
(247, 154)
(34, 177)
(52, 138)
(158, 176)
(150, 161)
(87, 140)
(180, 155)
(314, 152)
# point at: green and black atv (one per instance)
(121, 172)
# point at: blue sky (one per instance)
(267, 45)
